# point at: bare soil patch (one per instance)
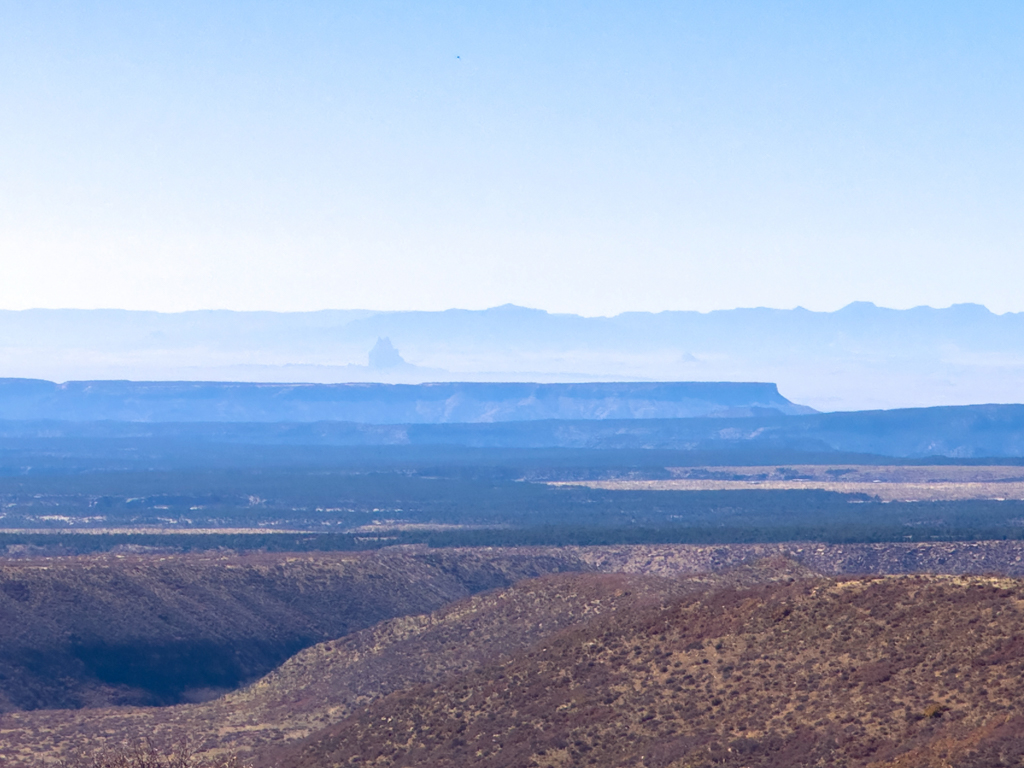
(885, 483)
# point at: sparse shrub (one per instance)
(146, 755)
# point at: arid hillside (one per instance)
(324, 684)
(893, 671)
(162, 629)
(763, 665)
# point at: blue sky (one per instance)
(578, 157)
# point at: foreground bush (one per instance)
(146, 755)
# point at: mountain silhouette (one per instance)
(384, 355)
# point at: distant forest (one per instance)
(336, 510)
(102, 478)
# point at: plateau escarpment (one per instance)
(437, 403)
(857, 357)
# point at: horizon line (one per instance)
(853, 305)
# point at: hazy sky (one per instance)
(582, 157)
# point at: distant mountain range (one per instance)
(859, 357)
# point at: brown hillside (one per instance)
(327, 682)
(894, 671)
(159, 629)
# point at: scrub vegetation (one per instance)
(767, 664)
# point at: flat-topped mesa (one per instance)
(384, 403)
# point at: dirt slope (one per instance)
(157, 630)
(124, 630)
(326, 683)
(894, 671)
